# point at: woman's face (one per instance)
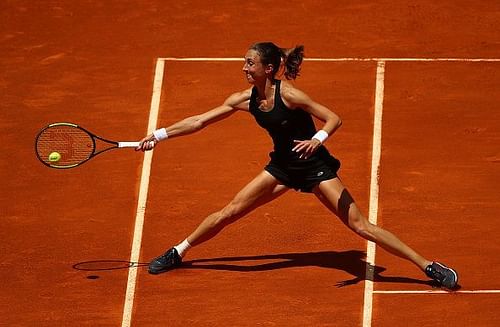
(253, 67)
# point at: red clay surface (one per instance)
(92, 63)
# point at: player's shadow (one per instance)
(351, 262)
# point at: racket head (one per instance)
(73, 144)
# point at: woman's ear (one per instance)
(269, 69)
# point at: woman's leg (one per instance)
(335, 197)
(262, 189)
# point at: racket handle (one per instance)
(128, 144)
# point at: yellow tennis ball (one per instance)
(54, 156)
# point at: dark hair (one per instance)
(291, 58)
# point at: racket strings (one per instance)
(72, 144)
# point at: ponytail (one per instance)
(292, 59)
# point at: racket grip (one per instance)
(128, 144)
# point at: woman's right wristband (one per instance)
(160, 134)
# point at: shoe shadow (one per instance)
(352, 262)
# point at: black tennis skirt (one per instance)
(303, 174)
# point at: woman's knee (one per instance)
(229, 213)
(361, 226)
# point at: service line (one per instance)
(439, 292)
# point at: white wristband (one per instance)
(160, 134)
(321, 136)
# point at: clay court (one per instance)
(415, 83)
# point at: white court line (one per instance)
(439, 292)
(346, 59)
(142, 198)
(374, 191)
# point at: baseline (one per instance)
(347, 59)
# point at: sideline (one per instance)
(142, 198)
(374, 191)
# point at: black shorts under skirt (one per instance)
(304, 174)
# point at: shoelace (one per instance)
(437, 274)
(163, 258)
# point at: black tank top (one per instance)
(283, 124)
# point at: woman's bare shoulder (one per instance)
(291, 95)
(240, 99)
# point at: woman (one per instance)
(299, 159)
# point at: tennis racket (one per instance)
(66, 145)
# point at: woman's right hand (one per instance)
(147, 143)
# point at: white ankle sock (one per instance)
(183, 247)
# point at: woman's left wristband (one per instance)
(321, 136)
(160, 134)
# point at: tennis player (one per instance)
(299, 160)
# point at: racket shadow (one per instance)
(352, 262)
(103, 265)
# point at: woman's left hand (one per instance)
(306, 148)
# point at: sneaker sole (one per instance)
(154, 271)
